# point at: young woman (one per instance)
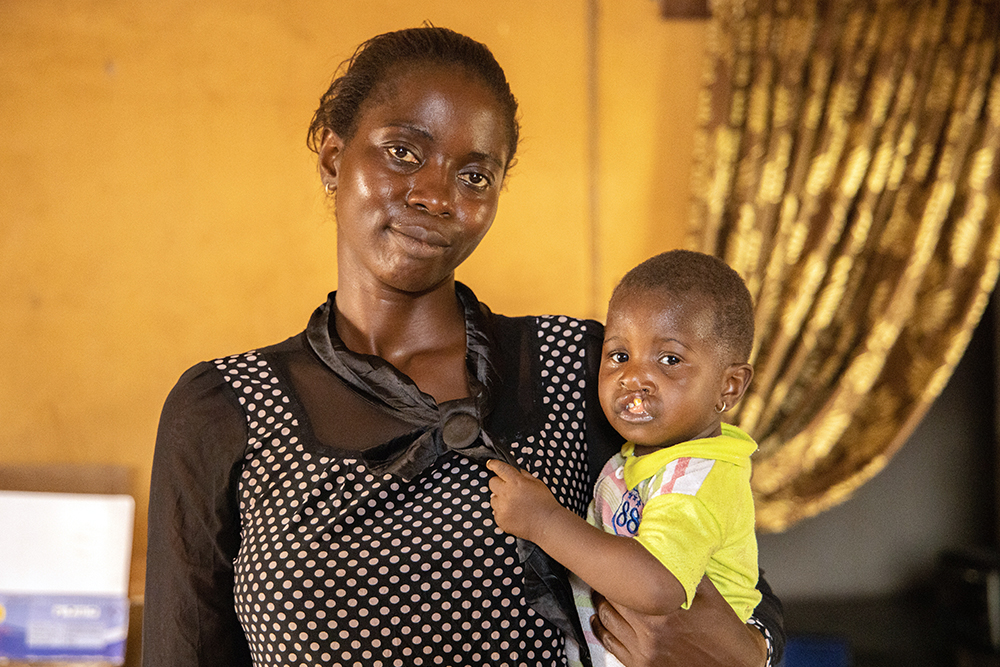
(324, 500)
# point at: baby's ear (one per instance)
(735, 382)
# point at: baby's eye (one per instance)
(669, 360)
(618, 357)
(403, 154)
(477, 180)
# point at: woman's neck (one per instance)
(421, 334)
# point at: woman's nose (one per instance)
(431, 191)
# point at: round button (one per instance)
(460, 430)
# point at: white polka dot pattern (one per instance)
(340, 567)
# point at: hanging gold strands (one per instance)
(846, 166)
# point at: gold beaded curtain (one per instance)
(846, 166)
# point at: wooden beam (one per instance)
(685, 9)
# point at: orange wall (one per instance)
(159, 206)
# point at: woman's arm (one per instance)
(189, 615)
(619, 567)
(708, 633)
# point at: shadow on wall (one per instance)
(861, 581)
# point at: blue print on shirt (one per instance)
(629, 513)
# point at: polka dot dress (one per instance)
(338, 566)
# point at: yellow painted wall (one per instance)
(158, 206)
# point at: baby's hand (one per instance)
(521, 502)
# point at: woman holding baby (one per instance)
(325, 500)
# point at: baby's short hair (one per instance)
(683, 272)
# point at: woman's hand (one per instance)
(521, 502)
(708, 634)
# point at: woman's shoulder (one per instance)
(515, 326)
(205, 382)
(555, 339)
(550, 325)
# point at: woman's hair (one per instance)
(375, 60)
(700, 276)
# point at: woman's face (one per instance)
(418, 182)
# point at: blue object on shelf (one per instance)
(817, 652)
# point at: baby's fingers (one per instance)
(501, 469)
(496, 485)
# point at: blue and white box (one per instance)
(64, 569)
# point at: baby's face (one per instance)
(661, 376)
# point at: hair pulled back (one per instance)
(375, 59)
(686, 272)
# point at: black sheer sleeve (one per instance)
(189, 616)
(769, 618)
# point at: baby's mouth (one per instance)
(633, 408)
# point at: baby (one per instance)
(678, 336)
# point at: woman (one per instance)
(323, 500)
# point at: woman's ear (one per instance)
(330, 151)
(735, 382)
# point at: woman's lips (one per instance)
(421, 233)
(420, 241)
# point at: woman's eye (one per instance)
(403, 154)
(618, 357)
(477, 180)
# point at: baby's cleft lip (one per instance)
(632, 408)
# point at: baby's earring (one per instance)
(724, 406)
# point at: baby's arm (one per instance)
(617, 567)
